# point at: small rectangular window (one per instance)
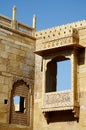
(5, 101)
(19, 103)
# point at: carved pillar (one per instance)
(74, 83)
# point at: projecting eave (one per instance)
(56, 49)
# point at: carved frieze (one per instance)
(54, 41)
(57, 43)
(58, 100)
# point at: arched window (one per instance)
(20, 103)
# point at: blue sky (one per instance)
(49, 13)
(63, 75)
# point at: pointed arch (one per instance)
(20, 103)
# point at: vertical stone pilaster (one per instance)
(14, 23)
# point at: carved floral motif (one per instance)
(58, 99)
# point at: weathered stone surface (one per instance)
(16, 66)
(19, 66)
(50, 39)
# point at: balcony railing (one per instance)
(55, 101)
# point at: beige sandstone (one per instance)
(27, 59)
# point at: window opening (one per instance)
(19, 103)
(58, 75)
(5, 101)
(63, 78)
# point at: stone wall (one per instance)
(60, 119)
(16, 64)
(19, 65)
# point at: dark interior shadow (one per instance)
(81, 56)
(60, 116)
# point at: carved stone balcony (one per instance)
(55, 101)
(54, 46)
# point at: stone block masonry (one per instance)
(25, 74)
(17, 62)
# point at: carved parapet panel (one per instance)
(61, 35)
(59, 101)
(55, 101)
(67, 39)
(59, 43)
(60, 31)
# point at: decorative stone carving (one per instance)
(54, 41)
(58, 43)
(60, 31)
(57, 100)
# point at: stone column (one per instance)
(34, 25)
(14, 18)
(34, 22)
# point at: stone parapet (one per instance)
(60, 30)
(56, 101)
(20, 27)
(59, 37)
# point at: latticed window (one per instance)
(20, 103)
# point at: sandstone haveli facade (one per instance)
(30, 97)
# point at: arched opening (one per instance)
(20, 103)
